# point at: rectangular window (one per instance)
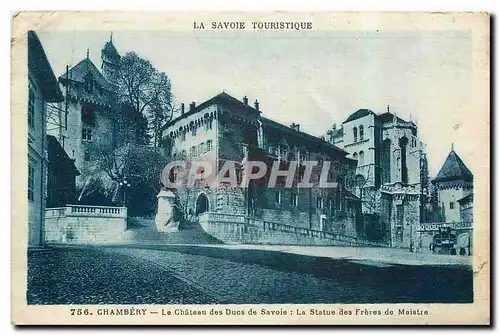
(87, 135)
(193, 131)
(319, 202)
(452, 205)
(201, 148)
(31, 107)
(183, 136)
(331, 204)
(294, 199)
(399, 234)
(400, 214)
(277, 197)
(31, 181)
(209, 145)
(302, 156)
(192, 152)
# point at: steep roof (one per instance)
(109, 47)
(359, 114)
(79, 71)
(453, 169)
(39, 65)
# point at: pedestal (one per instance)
(165, 216)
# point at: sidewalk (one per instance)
(361, 255)
(373, 255)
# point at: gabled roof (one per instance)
(79, 71)
(39, 65)
(359, 114)
(453, 169)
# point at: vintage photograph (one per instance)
(252, 162)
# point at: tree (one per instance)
(140, 165)
(145, 90)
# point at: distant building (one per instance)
(42, 89)
(454, 184)
(226, 129)
(391, 169)
(62, 173)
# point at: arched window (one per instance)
(361, 158)
(403, 141)
(355, 132)
(355, 156)
(361, 133)
(385, 161)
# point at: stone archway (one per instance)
(202, 204)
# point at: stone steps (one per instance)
(143, 231)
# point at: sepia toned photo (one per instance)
(250, 168)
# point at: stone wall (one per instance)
(84, 224)
(237, 229)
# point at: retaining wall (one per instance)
(84, 224)
(238, 229)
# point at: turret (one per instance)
(110, 61)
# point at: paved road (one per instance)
(197, 274)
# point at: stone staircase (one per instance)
(143, 231)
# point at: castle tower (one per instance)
(453, 182)
(110, 61)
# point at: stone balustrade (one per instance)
(84, 224)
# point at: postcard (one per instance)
(250, 168)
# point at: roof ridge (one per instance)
(454, 168)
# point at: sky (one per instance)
(314, 78)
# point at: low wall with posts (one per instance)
(84, 224)
(238, 229)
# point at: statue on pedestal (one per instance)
(168, 214)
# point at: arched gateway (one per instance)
(202, 204)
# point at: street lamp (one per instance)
(124, 184)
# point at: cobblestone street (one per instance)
(178, 274)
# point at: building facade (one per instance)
(42, 89)
(452, 233)
(391, 169)
(224, 129)
(62, 173)
(86, 116)
(454, 183)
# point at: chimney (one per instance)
(334, 126)
(245, 100)
(182, 108)
(192, 106)
(295, 126)
(256, 104)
